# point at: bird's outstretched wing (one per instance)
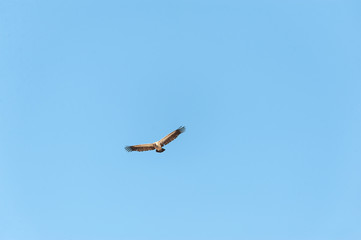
(171, 136)
(140, 148)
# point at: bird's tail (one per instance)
(162, 150)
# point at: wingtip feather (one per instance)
(182, 129)
(128, 148)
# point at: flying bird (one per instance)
(158, 146)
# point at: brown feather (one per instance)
(140, 148)
(171, 136)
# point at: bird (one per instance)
(158, 146)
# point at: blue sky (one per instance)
(269, 92)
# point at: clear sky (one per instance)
(270, 93)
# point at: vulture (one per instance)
(158, 146)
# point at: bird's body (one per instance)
(157, 146)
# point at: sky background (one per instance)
(269, 92)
